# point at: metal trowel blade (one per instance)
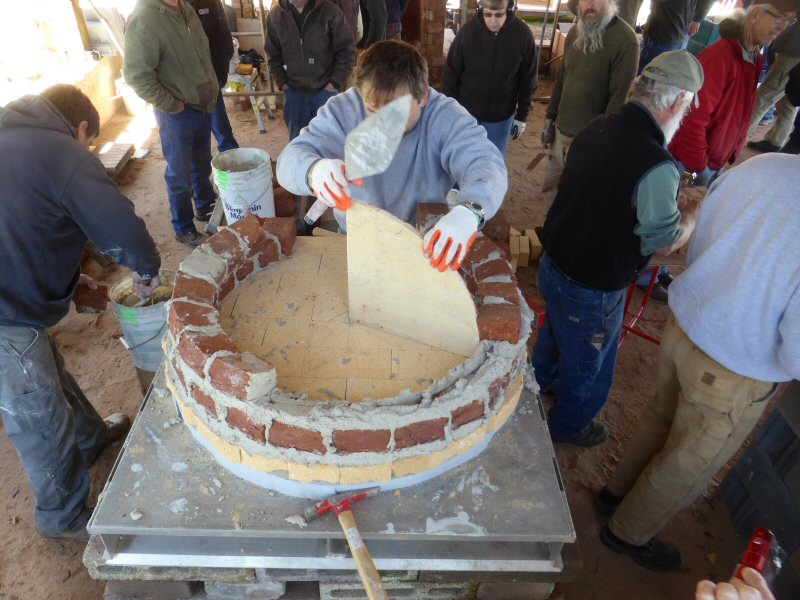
(370, 147)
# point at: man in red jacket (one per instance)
(713, 134)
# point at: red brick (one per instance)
(242, 375)
(498, 387)
(186, 314)
(468, 413)
(251, 231)
(507, 291)
(469, 280)
(283, 228)
(285, 203)
(269, 254)
(255, 431)
(204, 400)
(481, 249)
(227, 287)
(499, 322)
(245, 270)
(227, 245)
(195, 348)
(498, 229)
(88, 300)
(361, 440)
(288, 436)
(420, 433)
(427, 212)
(493, 268)
(194, 288)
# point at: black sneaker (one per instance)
(595, 433)
(204, 217)
(665, 279)
(763, 146)
(606, 503)
(191, 238)
(654, 555)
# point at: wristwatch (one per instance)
(477, 210)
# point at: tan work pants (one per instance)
(701, 414)
(772, 92)
(555, 166)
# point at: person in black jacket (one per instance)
(220, 42)
(54, 194)
(792, 146)
(491, 70)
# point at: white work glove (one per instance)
(548, 133)
(448, 242)
(328, 181)
(144, 287)
(517, 129)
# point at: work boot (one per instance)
(763, 146)
(205, 216)
(595, 433)
(654, 555)
(78, 533)
(191, 238)
(117, 425)
(606, 503)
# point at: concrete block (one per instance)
(515, 591)
(406, 590)
(261, 590)
(152, 590)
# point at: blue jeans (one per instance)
(51, 424)
(299, 109)
(221, 127)
(186, 144)
(576, 351)
(498, 133)
(649, 50)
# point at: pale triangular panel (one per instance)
(392, 286)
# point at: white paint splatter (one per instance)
(137, 468)
(179, 467)
(460, 525)
(389, 528)
(178, 506)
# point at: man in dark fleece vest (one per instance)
(616, 206)
(54, 195)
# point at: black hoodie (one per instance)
(492, 75)
(54, 194)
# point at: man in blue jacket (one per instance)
(54, 196)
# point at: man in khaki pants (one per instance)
(735, 331)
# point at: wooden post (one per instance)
(81, 22)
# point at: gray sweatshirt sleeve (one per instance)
(323, 138)
(474, 162)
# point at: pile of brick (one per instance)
(432, 37)
(232, 400)
(243, 8)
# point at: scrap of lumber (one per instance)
(114, 157)
(524, 250)
(536, 245)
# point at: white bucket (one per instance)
(143, 326)
(244, 180)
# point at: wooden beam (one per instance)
(81, 22)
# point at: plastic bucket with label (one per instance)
(244, 180)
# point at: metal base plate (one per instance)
(169, 503)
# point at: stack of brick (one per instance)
(432, 37)
(243, 8)
(231, 397)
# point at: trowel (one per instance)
(371, 146)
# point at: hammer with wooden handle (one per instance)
(341, 505)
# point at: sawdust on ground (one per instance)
(35, 568)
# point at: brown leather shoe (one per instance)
(117, 425)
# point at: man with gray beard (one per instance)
(599, 63)
(616, 206)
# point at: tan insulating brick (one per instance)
(262, 463)
(227, 451)
(308, 473)
(366, 474)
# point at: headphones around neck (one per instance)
(510, 9)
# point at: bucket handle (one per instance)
(158, 333)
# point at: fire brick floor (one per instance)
(295, 316)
